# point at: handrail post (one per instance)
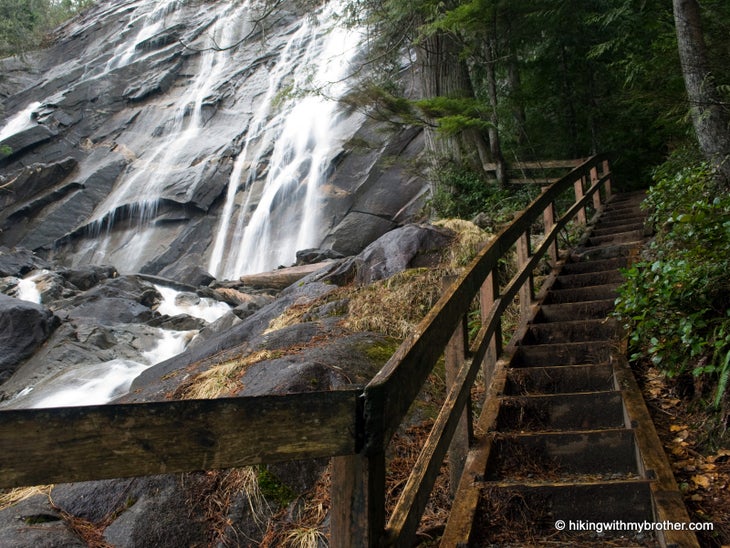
(548, 217)
(527, 289)
(607, 184)
(357, 514)
(488, 294)
(578, 186)
(596, 195)
(454, 356)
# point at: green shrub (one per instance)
(462, 193)
(676, 302)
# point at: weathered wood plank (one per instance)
(111, 441)
(357, 512)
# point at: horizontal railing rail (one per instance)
(354, 426)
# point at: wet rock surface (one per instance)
(96, 109)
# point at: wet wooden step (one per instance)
(580, 294)
(559, 379)
(606, 224)
(616, 237)
(623, 227)
(612, 251)
(571, 331)
(586, 279)
(573, 353)
(599, 265)
(556, 456)
(574, 311)
(522, 515)
(555, 412)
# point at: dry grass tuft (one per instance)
(304, 525)
(394, 306)
(11, 497)
(224, 379)
(469, 241)
(222, 489)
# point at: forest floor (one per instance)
(698, 452)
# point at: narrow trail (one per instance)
(569, 450)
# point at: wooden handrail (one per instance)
(353, 425)
(392, 391)
(112, 441)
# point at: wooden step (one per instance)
(623, 227)
(520, 515)
(598, 265)
(559, 379)
(555, 412)
(581, 294)
(571, 331)
(574, 311)
(616, 237)
(559, 456)
(573, 353)
(586, 279)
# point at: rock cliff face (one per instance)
(187, 140)
(162, 136)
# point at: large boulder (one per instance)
(24, 326)
(410, 246)
(19, 262)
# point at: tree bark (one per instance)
(494, 141)
(710, 119)
(445, 74)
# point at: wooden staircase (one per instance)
(567, 437)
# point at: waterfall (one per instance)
(19, 121)
(146, 179)
(305, 133)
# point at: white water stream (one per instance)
(18, 122)
(99, 383)
(147, 178)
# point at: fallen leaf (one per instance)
(678, 427)
(702, 480)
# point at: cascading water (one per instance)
(98, 383)
(306, 133)
(146, 180)
(19, 121)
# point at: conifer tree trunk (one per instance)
(445, 74)
(709, 117)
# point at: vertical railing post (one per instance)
(596, 195)
(357, 514)
(488, 294)
(527, 289)
(548, 218)
(607, 184)
(454, 356)
(578, 186)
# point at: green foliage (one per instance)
(677, 302)
(24, 24)
(273, 489)
(463, 194)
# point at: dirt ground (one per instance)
(698, 451)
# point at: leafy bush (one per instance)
(676, 301)
(462, 193)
